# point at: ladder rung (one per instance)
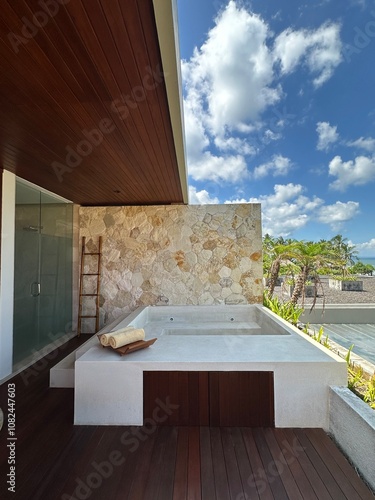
(98, 254)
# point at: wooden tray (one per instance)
(134, 346)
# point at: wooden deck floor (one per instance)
(57, 460)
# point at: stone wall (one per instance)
(175, 254)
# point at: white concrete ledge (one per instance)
(300, 365)
(62, 374)
(352, 425)
(339, 313)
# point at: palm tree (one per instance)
(275, 252)
(345, 253)
(309, 257)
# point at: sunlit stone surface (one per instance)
(175, 255)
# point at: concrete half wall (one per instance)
(175, 255)
(352, 425)
(340, 314)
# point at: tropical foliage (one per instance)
(304, 261)
(286, 310)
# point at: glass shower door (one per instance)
(43, 270)
(26, 274)
(56, 244)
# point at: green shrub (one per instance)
(285, 310)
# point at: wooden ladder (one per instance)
(97, 286)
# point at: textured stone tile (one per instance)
(175, 255)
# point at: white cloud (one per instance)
(201, 197)
(288, 210)
(327, 135)
(335, 215)
(218, 168)
(270, 135)
(351, 173)
(319, 50)
(231, 80)
(366, 248)
(196, 138)
(368, 144)
(279, 165)
(285, 211)
(233, 70)
(236, 144)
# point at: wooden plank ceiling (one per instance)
(83, 103)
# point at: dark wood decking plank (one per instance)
(282, 466)
(258, 478)
(220, 473)
(181, 468)
(269, 466)
(233, 473)
(207, 471)
(183, 394)
(152, 479)
(194, 465)
(291, 451)
(319, 465)
(69, 465)
(204, 412)
(128, 447)
(214, 394)
(316, 482)
(144, 465)
(105, 480)
(35, 456)
(193, 398)
(38, 480)
(344, 474)
(174, 396)
(246, 473)
(169, 466)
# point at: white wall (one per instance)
(340, 313)
(7, 273)
(352, 424)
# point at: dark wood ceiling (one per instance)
(75, 67)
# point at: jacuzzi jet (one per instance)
(232, 319)
(170, 319)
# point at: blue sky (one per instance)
(279, 105)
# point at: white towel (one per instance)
(126, 337)
(104, 339)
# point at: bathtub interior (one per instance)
(208, 320)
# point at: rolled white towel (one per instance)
(104, 339)
(125, 338)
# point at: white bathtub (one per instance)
(109, 388)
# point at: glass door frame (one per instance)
(35, 286)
